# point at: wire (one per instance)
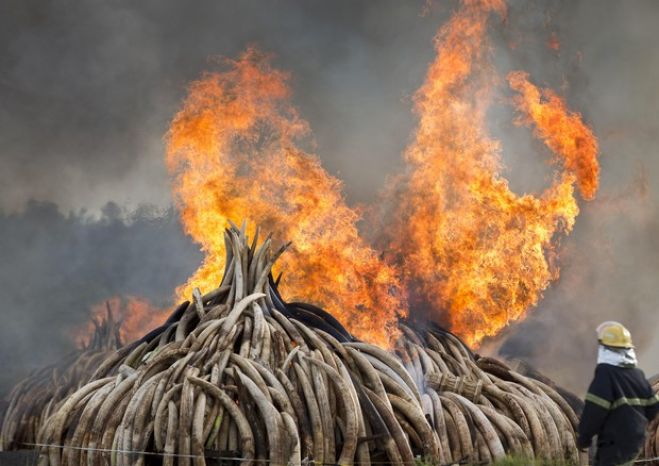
(254, 460)
(227, 458)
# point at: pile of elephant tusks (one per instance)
(651, 449)
(239, 373)
(35, 398)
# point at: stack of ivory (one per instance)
(652, 439)
(34, 398)
(238, 373)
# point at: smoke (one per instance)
(55, 267)
(598, 282)
(87, 90)
(609, 264)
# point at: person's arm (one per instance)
(596, 408)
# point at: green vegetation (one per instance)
(520, 461)
(507, 461)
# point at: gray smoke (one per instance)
(608, 273)
(87, 90)
(55, 267)
(605, 67)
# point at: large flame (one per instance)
(461, 245)
(477, 255)
(235, 150)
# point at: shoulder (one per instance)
(604, 375)
(636, 374)
(639, 373)
(602, 380)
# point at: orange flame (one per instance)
(563, 131)
(235, 150)
(474, 252)
(553, 43)
(134, 315)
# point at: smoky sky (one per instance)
(55, 266)
(87, 89)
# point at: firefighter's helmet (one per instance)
(614, 334)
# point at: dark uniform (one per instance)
(619, 405)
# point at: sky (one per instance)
(87, 90)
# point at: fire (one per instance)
(235, 151)
(475, 253)
(135, 315)
(563, 131)
(553, 43)
(460, 244)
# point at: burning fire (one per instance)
(553, 43)
(564, 132)
(460, 243)
(134, 314)
(475, 253)
(235, 150)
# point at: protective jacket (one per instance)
(619, 405)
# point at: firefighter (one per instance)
(619, 403)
